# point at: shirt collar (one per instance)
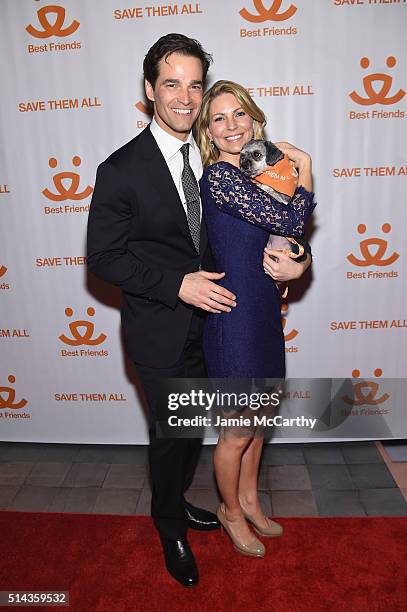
(169, 145)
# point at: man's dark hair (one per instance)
(173, 43)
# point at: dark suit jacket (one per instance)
(138, 239)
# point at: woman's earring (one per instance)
(211, 144)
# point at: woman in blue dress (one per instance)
(247, 342)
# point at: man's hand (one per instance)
(198, 289)
(286, 268)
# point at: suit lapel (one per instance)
(156, 167)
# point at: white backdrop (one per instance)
(330, 76)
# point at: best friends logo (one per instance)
(52, 22)
(3, 272)
(142, 108)
(274, 13)
(8, 401)
(378, 89)
(82, 333)
(270, 14)
(71, 191)
(376, 256)
(146, 111)
(365, 393)
(293, 333)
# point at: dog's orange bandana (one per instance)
(282, 177)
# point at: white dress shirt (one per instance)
(170, 148)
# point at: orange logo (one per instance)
(373, 259)
(366, 399)
(8, 400)
(52, 29)
(385, 81)
(142, 108)
(293, 333)
(3, 270)
(270, 14)
(72, 192)
(77, 338)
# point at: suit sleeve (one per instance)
(108, 256)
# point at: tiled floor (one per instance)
(345, 479)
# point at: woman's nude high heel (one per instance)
(255, 548)
(272, 531)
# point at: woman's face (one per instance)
(230, 127)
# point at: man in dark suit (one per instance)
(146, 235)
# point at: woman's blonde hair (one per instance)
(209, 152)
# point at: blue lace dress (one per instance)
(247, 342)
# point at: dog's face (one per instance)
(256, 155)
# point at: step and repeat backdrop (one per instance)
(331, 78)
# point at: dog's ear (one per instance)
(273, 154)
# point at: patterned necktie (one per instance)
(191, 192)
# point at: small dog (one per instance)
(272, 171)
(259, 156)
(257, 159)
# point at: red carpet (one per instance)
(113, 563)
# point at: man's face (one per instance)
(177, 95)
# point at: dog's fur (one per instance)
(255, 156)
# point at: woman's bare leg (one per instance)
(248, 481)
(227, 462)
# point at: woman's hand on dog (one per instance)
(286, 268)
(301, 160)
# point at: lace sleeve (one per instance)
(236, 195)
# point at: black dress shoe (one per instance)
(180, 561)
(198, 518)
